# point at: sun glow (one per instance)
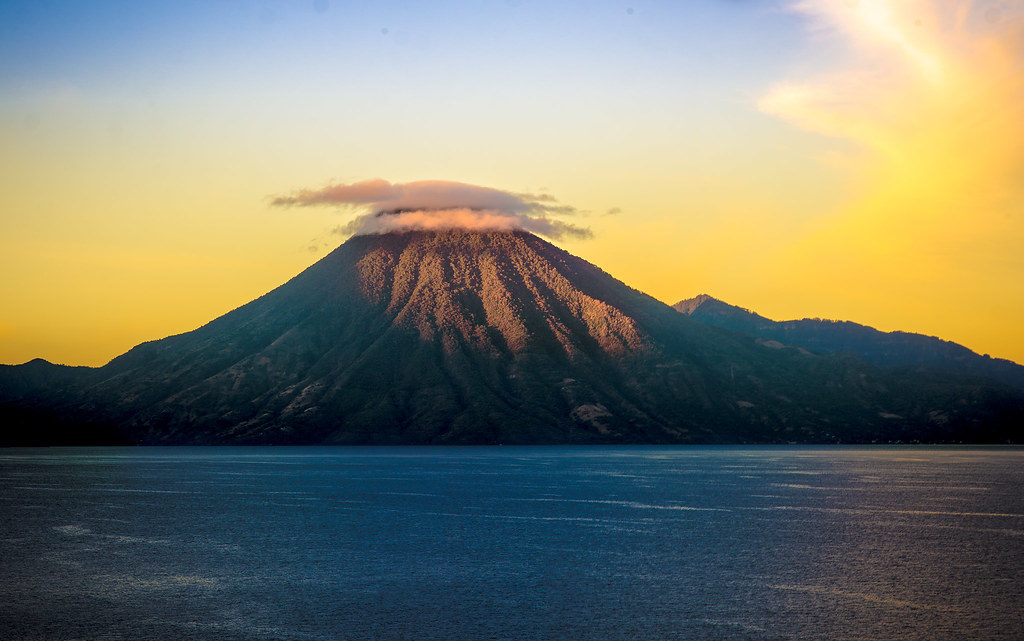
(854, 159)
(931, 95)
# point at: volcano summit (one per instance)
(456, 336)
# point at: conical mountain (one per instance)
(497, 337)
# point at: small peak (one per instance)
(690, 305)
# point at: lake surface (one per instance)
(602, 543)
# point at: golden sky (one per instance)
(861, 160)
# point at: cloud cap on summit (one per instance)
(438, 204)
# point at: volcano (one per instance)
(476, 337)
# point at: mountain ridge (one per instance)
(885, 349)
(488, 337)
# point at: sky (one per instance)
(851, 159)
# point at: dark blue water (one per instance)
(638, 543)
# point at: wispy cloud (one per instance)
(383, 206)
(928, 96)
(933, 88)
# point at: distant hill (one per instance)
(886, 349)
(483, 337)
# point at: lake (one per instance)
(596, 543)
